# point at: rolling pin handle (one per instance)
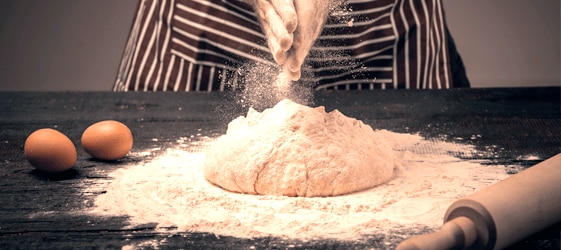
(458, 233)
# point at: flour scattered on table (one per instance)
(171, 190)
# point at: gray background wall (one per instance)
(70, 45)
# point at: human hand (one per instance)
(311, 18)
(278, 20)
(291, 28)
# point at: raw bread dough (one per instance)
(296, 150)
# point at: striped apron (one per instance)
(207, 45)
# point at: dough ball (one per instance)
(296, 150)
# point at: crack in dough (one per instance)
(296, 150)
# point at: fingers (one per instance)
(279, 54)
(279, 39)
(287, 12)
(295, 57)
(315, 13)
(293, 75)
(275, 24)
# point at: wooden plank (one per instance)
(43, 211)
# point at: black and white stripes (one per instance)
(198, 45)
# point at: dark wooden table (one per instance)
(510, 122)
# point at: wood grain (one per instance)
(43, 211)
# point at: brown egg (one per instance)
(107, 140)
(50, 150)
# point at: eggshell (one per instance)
(107, 140)
(50, 150)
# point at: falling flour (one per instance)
(171, 190)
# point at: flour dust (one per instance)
(264, 85)
(170, 190)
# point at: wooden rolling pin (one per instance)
(501, 214)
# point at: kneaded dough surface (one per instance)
(296, 150)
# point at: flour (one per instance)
(170, 190)
(266, 85)
(296, 150)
